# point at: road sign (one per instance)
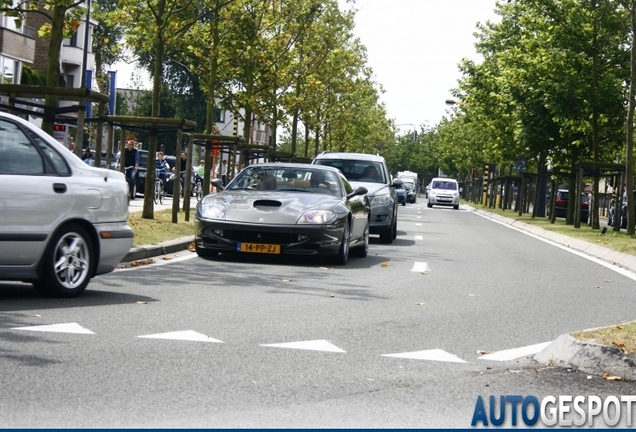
(60, 132)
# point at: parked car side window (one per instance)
(53, 156)
(17, 153)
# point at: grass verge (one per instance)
(161, 228)
(620, 335)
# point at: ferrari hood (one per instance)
(269, 207)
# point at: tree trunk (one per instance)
(53, 71)
(148, 211)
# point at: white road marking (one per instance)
(314, 345)
(419, 237)
(186, 335)
(58, 328)
(418, 224)
(433, 355)
(419, 217)
(515, 353)
(420, 267)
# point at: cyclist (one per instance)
(162, 168)
(131, 164)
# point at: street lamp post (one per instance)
(414, 129)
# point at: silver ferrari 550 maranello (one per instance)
(285, 208)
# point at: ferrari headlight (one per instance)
(213, 211)
(380, 200)
(317, 217)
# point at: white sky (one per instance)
(413, 47)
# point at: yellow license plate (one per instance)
(259, 248)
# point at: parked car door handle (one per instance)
(59, 188)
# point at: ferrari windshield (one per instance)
(310, 180)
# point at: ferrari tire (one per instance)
(343, 253)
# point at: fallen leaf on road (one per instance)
(513, 371)
(610, 377)
(423, 273)
(474, 295)
(385, 264)
(142, 262)
(286, 280)
(192, 247)
(167, 258)
(619, 327)
(324, 268)
(481, 352)
(142, 302)
(39, 316)
(420, 304)
(607, 280)
(597, 286)
(619, 345)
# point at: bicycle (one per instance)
(158, 198)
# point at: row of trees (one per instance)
(552, 89)
(290, 63)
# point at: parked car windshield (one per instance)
(287, 179)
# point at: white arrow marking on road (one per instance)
(420, 267)
(515, 353)
(434, 355)
(187, 335)
(419, 237)
(58, 328)
(315, 345)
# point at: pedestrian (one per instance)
(86, 156)
(224, 172)
(131, 164)
(182, 166)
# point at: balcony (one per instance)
(17, 45)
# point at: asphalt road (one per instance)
(391, 340)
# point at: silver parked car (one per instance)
(369, 171)
(61, 221)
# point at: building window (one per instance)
(219, 115)
(10, 70)
(8, 22)
(70, 81)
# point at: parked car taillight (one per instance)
(560, 202)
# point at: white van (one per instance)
(444, 192)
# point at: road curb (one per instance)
(567, 351)
(149, 251)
